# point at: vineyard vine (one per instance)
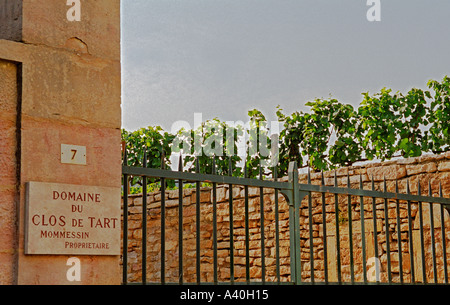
(331, 134)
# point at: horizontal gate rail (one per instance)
(198, 177)
(372, 193)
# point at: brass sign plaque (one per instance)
(64, 219)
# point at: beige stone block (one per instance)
(444, 166)
(447, 155)
(332, 259)
(356, 227)
(7, 268)
(411, 160)
(99, 19)
(436, 217)
(42, 145)
(421, 168)
(8, 171)
(417, 256)
(8, 88)
(390, 172)
(71, 88)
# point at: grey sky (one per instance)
(225, 57)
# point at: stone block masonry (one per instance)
(67, 93)
(8, 166)
(428, 168)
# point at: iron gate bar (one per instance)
(196, 177)
(371, 193)
(422, 244)
(350, 231)
(125, 230)
(231, 222)
(277, 229)
(197, 221)
(363, 229)
(180, 224)
(410, 236)
(311, 236)
(433, 247)
(324, 221)
(294, 218)
(399, 235)
(144, 222)
(163, 226)
(388, 243)
(374, 218)
(262, 239)
(214, 185)
(338, 243)
(247, 230)
(444, 247)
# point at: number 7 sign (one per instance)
(73, 154)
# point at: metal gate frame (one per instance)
(294, 192)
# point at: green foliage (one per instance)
(438, 137)
(379, 124)
(213, 139)
(309, 134)
(390, 123)
(153, 142)
(258, 153)
(329, 135)
(291, 137)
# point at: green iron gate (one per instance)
(411, 252)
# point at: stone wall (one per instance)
(11, 20)
(8, 173)
(435, 169)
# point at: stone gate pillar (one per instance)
(60, 162)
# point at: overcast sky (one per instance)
(222, 58)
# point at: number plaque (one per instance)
(73, 154)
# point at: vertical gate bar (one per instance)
(338, 239)
(350, 231)
(144, 224)
(298, 264)
(197, 222)
(230, 212)
(410, 236)
(261, 210)
(215, 223)
(422, 244)
(180, 223)
(125, 225)
(311, 236)
(444, 247)
(374, 217)
(277, 228)
(363, 232)
(433, 246)
(399, 235)
(388, 242)
(324, 231)
(294, 225)
(247, 231)
(163, 224)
